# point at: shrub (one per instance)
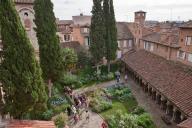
(98, 102)
(60, 108)
(145, 121)
(101, 106)
(122, 120)
(120, 93)
(60, 120)
(57, 100)
(138, 110)
(47, 115)
(70, 80)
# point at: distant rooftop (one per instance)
(24, 1)
(187, 25)
(82, 20)
(140, 11)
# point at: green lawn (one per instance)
(125, 107)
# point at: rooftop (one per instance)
(30, 124)
(24, 1)
(123, 31)
(167, 39)
(187, 25)
(171, 79)
(186, 124)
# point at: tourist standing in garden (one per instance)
(104, 124)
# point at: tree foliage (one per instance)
(20, 72)
(69, 58)
(97, 32)
(111, 31)
(50, 50)
(49, 47)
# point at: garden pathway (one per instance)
(95, 121)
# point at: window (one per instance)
(190, 57)
(87, 41)
(66, 38)
(188, 40)
(85, 30)
(181, 55)
(26, 14)
(125, 44)
(130, 43)
(148, 46)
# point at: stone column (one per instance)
(182, 117)
(168, 109)
(174, 114)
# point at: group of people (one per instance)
(118, 76)
(79, 106)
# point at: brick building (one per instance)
(26, 13)
(75, 30)
(161, 64)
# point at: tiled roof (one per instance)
(123, 31)
(140, 11)
(82, 20)
(24, 1)
(30, 124)
(163, 38)
(64, 22)
(186, 124)
(187, 25)
(171, 79)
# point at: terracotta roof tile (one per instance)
(187, 25)
(30, 124)
(167, 39)
(123, 32)
(171, 79)
(186, 124)
(24, 1)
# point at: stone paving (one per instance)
(95, 121)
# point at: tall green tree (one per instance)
(97, 32)
(111, 31)
(50, 51)
(21, 75)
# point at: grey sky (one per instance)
(156, 9)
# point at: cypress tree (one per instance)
(97, 32)
(50, 51)
(111, 31)
(20, 72)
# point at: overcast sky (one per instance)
(160, 10)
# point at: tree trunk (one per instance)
(108, 66)
(50, 85)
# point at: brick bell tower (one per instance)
(27, 16)
(140, 17)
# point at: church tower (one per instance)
(27, 15)
(140, 17)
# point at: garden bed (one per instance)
(123, 111)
